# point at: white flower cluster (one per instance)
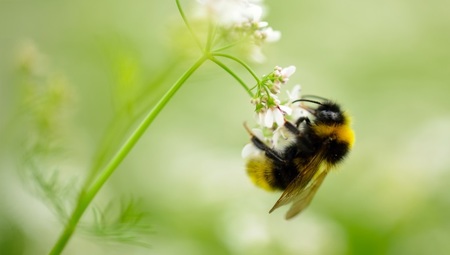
(268, 107)
(240, 20)
(230, 12)
(271, 112)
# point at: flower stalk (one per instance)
(247, 24)
(88, 195)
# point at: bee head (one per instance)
(327, 112)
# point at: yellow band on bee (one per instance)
(260, 172)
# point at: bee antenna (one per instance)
(316, 97)
(307, 100)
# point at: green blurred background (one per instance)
(387, 62)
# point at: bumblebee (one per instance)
(318, 144)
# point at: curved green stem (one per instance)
(247, 67)
(88, 195)
(228, 70)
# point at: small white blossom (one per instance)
(271, 116)
(286, 73)
(268, 107)
(269, 35)
(271, 113)
(280, 76)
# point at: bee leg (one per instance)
(270, 153)
(301, 119)
(291, 128)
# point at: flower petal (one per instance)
(271, 35)
(249, 150)
(259, 117)
(254, 12)
(288, 71)
(286, 109)
(278, 116)
(258, 133)
(268, 119)
(298, 112)
(294, 94)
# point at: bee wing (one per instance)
(305, 197)
(298, 190)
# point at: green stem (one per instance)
(118, 129)
(240, 62)
(88, 195)
(228, 70)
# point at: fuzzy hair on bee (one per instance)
(298, 169)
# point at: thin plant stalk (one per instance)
(88, 194)
(247, 67)
(228, 70)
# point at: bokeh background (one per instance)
(387, 62)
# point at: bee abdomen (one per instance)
(261, 172)
(270, 175)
